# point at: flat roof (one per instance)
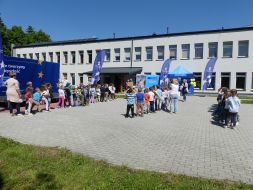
(118, 70)
(92, 40)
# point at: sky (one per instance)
(78, 19)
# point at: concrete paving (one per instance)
(185, 143)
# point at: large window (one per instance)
(58, 57)
(227, 49)
(160, 51)
(225, 80)
(137, 53)
(240, 81)
(173, 51)
(81, 57)
(213, 49)
(198, 50)
(149, 53)
(198, 80)
(107, 55)
(243, 49)
(80, 78)
(44, 56)
(24, 56)
(89, 52)
(127, 54)
(51, 56)
(73, 57)
(73, 80)
(185, 51)
(65, 55)
(117, 54)
(31, 55)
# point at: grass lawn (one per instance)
(30, 167)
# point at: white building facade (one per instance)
(146, 54)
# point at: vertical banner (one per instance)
(164, 72)
(1, 62)
(97, 67)
(140, 81)
(208, 73)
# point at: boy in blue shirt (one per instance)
(233, 107)
(140, 102)
(130, 102)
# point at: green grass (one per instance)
(29, 167)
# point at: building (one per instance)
(128, 56)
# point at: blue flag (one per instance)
(208, 73)
(1, 62)
(97, 67)
(164, 72)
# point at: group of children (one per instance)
(148, 100)
(228, 107)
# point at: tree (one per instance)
(30, 29)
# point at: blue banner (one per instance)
(208, 73)
(164, 72)
(38, 72)
(1, 62)
(97, 67)
(151, 80)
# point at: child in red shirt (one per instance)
(146, 101)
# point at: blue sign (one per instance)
(151, 80)
(208, 73)
(164, 72)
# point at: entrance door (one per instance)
(225, 80)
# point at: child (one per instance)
(98, 93)
(35, 100)
(44, 95)
(130, 102)
(140, 102)
(233, 107)
(28, 99)
(151, 100)
(146, 97)
(226, 109)
(49, 93)
(92, 94)
(61, 96)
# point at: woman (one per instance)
(174, 96)
(13, 94)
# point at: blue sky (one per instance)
(75, 19)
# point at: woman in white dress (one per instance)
(13, 94)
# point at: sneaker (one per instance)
(29, 114)
(225, 126)
(19, 115)
(26, 112)
(237, 123)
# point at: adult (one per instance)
(174, 96)
(184, 89)
(112, 91)
(13, 94)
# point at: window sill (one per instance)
(80, 63)
(226, 57)
(185, 59)
(212, 58)
(88, 63)
(126, 61)
(198, 58)
(64, 64)
(148, 60)
(116, 61)
(160, 60)
(242, 56)
(240, 89)
(137, 60)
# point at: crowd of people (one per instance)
(155, 98)
(227, 111)
(68, 95)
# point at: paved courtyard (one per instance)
(185, 143)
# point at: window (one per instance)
(18, 55)
(107, 55)
(58, 57)
(185, 51)
(149, 53)
(213, 49)
(80, 78)
(44, 56)
(51, 56)
(37, 56)
(158, 74)
(73, 80)
(31, 55)
(198, 80)
(73, 57)
(117, 54)
(227, 49)
(127, 54)
(137, 53)
(212, 85)
(24, 56)
(173, 51)
(160, 51)
(65, 76)
(65, 55)
(243, 49)
(225, 80)
(198, 51)
(240, 81)
(80, 57)
(147, 73)
(89, 52)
